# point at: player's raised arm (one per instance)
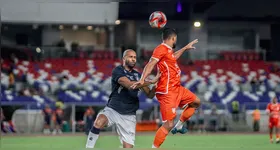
(190, 46)
(146, 72)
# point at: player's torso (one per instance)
(170, 72)
(123, 100)
(275, 110)
(59, 112)
(119, 90)
(47, 111)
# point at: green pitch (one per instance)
(188, 141)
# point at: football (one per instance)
(157, 19)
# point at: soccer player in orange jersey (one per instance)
(169, 91)
(273, 109)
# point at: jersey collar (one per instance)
(167, 46)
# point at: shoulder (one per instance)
(161, 47)
(268, 105)
(118, 69)
(136, 72)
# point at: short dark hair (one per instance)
(167, 33)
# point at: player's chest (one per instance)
(275, 108)
(170, 61)
(170, 56)
(133, 76)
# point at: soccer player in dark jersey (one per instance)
(123, 103)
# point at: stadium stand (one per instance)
(86, 80)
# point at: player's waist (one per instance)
(274, 117)
(169, 89)
(172, 85)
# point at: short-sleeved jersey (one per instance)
(167, 65)
(122, 100)
(274, 109)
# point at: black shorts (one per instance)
(59, 121)
(47, 120)
(201, 121)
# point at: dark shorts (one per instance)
(59, 121)
(47, 120)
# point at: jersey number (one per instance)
(178, 70)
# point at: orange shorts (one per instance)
(273, 122)
(177, 97)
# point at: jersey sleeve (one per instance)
(117, 73)
(159, 52)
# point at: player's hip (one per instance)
(173, 92)
(274, 119)
(115, 117)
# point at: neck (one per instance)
(170, 45)
(127, 68)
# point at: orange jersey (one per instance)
(167, 65)
(274, 109)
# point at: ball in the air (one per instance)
(157, 19)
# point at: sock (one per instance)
(92, 137)
(160, 137)
(153, 146)
(187, 113)
(277, 137)
(179, 125)
(270, 135)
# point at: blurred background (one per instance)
(57, 57)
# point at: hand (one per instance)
(136, 84)
(190, 45)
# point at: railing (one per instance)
(27, 120)
(42, 53)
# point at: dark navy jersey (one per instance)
(122, 100)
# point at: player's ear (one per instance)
(173, 39)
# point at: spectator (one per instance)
(47, 112)
(58, 118)
(11, 80)
(89, 118)
(213, 119)
(255, 84)
(61, 43)
(256, 120)
(235, 111)
(200, 114)
(14, 59)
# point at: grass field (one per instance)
(188, 141)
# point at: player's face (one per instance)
(174, 40)
(130, 59)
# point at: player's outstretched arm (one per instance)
(146, 72)
(147, 83)
(179, 53)
(125, 82)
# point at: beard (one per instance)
(130, 65)
(174, 45)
